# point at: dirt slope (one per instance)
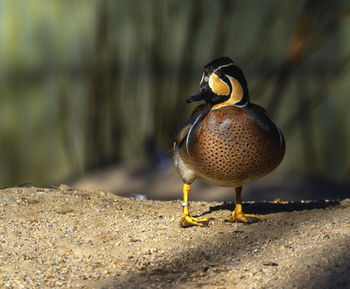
(51, 238)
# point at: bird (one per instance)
(227, 140)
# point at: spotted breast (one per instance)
(233, 146)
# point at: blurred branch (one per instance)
(304, 101)
(222, 27)
(98, 127)
(300, 117)
(165, 129)
(303, 43)
(64, 125)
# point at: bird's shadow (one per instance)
(265, 207)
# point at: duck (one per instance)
(227, 140)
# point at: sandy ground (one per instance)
(52, 238)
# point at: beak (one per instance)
(202, 94)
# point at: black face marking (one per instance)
(224, 67)
(211, 66)
(235, 72)
(224, 78)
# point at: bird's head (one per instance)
(223, 83)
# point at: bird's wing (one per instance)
(199, 112)
(268, 124)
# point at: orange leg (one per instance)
(237, 214)
(186, 219)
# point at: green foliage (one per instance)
(85, 83)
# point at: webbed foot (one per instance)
(188, 221)
(244, 218)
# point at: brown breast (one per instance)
(232, 146)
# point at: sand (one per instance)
(66, 238)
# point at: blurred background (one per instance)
(92, 92)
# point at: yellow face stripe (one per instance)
(218, 86)
(236, 95)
